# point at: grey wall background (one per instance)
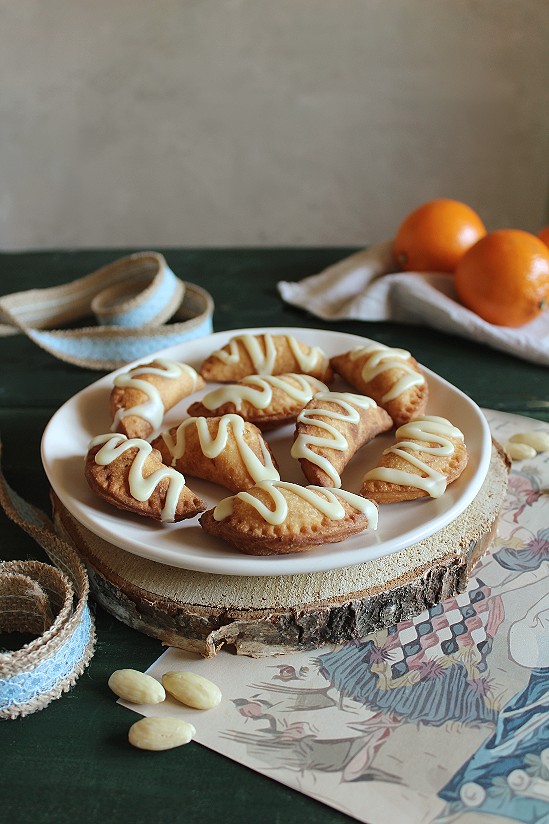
(266, 122)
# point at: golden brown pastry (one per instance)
(129, 473)
(267, 401)
(141, 396)
(264, 354)
(226, 450)
(276, 517)
(391, 377)
(331, 428)
(428, 455)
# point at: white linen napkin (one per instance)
(365, 286)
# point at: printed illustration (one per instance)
(431, 669)
(509, 773)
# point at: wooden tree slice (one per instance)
(262, 616)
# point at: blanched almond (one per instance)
(519, 451)
(162, 733)
(137, 687)
(192, 689)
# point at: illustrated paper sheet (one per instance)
(441, 718)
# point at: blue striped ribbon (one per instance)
(132, 299)
(49, 601)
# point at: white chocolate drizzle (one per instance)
(324, 500)
(334, 439)
(428, 429)
(264, 361)
(258, 390)
(141, 488)
(151, 410)
(259, 469)
(380, 358)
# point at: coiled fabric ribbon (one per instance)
(131, 299)
(51, 603)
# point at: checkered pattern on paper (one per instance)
(441, 631)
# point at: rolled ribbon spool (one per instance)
(131, 298)
(51, 603)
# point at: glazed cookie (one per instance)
(129, 474)
(330, 429)
(276, 517)
(226, 450)
(141, 396)
(428, 455)
(267, 401)
(265, 354)
(391, 377)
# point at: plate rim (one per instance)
(271, 565)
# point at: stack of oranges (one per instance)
(502, 276)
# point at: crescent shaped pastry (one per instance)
(330, 429)
(265, 354)
(267, 401)
(276, 517)
(129, 473)
(428, 455)
(226, 450)
(140, 397)
(391, 377)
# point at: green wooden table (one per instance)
(71, 762)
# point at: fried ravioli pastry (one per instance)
(226, 450)
(330, 430)
(391, 377)
(140, 397)
(429, 454)
(129, 474)
(267, 401)
(264, 354)
(276, 517)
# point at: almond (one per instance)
(136, 687)
(161, 733)
(191, 689)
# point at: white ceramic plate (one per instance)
(186, 545)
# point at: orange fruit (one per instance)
(543, 234)
(504, 277)
(436, 235)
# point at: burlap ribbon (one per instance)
(131, 299)
(51, 603)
